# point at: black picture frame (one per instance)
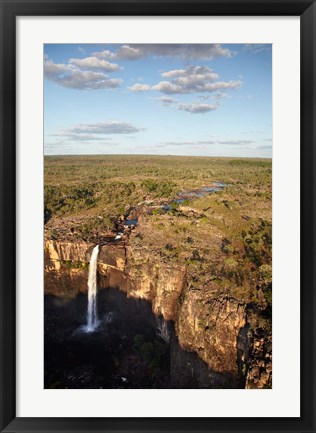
(10, 9)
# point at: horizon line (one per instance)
(150, 154)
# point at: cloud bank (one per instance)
(85, 132)
(176, 51)
(193, 79)
(73, 76)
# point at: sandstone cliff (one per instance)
(230, 336)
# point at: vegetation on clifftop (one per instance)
(224, 239)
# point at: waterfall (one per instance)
(163, 330)
(92, 317)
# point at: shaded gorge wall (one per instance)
(132, 348)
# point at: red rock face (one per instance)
(217, 328)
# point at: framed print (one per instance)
(157, 223)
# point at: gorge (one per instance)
(215, 341)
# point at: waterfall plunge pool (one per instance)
(130, 348)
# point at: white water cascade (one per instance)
(163, 330)
(92, 316)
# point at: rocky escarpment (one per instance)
(230, 336)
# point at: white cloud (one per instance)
(51, 69)
(105, 54)
(197, 108)
(188, 143)
(78, 136)
(191, 73)
(88, 80)
(222, 95)
(257, 48)
(190, 107)
(128, 52)
(92, 131)
(173, 73)
(138, 87)
(68, 75)
(207, 142)
(124, 52)
(171, 88)
(236, 142)
(177, 51)
(166, 100)
(193, 79)
(94, 63)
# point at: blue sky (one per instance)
(160, 99)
